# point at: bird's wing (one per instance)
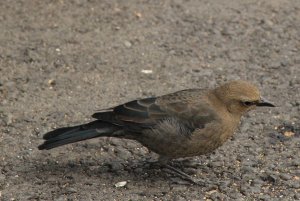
(190, 107)
(182, 105)
(144, 112)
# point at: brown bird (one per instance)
(186, 123)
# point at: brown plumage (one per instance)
(182, 124)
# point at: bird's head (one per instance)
(241, 96)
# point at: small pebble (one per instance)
(127, 44)
(147, 71)
(120, 184)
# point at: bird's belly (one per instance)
(182, 149)
(179, 146)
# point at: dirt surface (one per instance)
(60, 61)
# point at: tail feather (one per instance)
(67, 135)
(59, 131)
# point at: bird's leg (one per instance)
(165, 163)
(151, 162)
(182, 174)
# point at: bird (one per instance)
(186, 123)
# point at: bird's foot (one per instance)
(185, 176)
(173, 170)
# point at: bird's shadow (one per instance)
(137, 171)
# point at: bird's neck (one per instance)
(223, 111)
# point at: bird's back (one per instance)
(194, 126)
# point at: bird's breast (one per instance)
(171, 142)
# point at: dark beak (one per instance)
(265, 103)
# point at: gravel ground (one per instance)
(60, 61)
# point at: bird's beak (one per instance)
(265, 103)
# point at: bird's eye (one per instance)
(248, 103)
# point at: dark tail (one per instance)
(67, 135)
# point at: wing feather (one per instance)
(186, 106)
